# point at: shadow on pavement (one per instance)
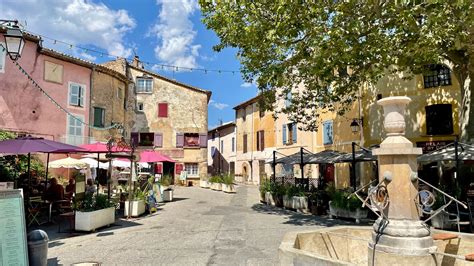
(302, 219)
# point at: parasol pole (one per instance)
(456, 157)
(29, 176)
(46, 176)
(97, 173)
(353, 170)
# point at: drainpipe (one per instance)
(91, 110)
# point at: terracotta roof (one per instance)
(209, 93)
(225, 125)
(248, 102)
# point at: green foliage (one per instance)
(341, 199)
(277, 189)
(265, 186)
(139, 194)
(292, 191)
(215, 179)
(166, 180)
(335, 47)
(228, 179)
(93, 203)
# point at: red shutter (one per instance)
(203, 140)
(159, 168)
(178, 168)
(162, 110)
(158, 140)
(179, 140)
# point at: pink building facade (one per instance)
(26, 110)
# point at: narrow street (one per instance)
(201, 227)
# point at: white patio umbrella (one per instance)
(93, 163)
(68, 163)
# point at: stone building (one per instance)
(255, 132)
(221, 149)
(170, 117)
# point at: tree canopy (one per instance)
(332, 48)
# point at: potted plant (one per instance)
(345, 205)
(317, 201)
(136, 205)
(203, 183)
(228, 184)
(166, 190)
(93, 211)
(277, 192)
(290, 190)
(264, 189)
(216, 183)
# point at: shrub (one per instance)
(345, 200)
(265, 186)
(215, 179)
(93, 203)
(166, 180)
(292, 191)
(228, 179)
(277, 189)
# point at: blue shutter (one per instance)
(293, 126)
(283, 131)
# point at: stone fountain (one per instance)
(398, 236)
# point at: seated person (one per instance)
(55, 191)
(70, 188)
(90, 187)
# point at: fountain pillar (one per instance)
(399, 238)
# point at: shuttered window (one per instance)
(283, 132)
(245, 143)
(158, 140)
(192, 169)
(179, 140)
(203, 140)
(327, 132)
(260, 140)
(99, 117)
(162, 110)
(178, 168)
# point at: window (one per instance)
(327, 132)
(260, 140)
(192, 169)
(222, 146)
(162, 110)
(140, 107)
(99, 117)
(288, 99)
(146, 139)
(439, 119)
(245, 143)
(75, 130)
(438, 75)
(292, 134)
(119, 93)
(76, 94)
(144, 85)
(244, 114)
(233, 144)
(191, 140)
(3, 53)
(261, 111)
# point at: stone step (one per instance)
(444, 236)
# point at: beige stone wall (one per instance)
(109, 93)
(187, 113)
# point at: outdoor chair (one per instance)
(34, 210)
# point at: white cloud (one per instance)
(88, 56)
(175, 34)
(79, 22)
(217, 105)
(246, 85)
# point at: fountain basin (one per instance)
(348, 245)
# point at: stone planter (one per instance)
(337, 212)
(204, 183)
(89, 221)
(300, 203)
(278, 199)
(216, 186)
(228, 188)
(287, 202)
(269, 199)
(137, 207)
(168, 194)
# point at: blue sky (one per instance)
(168, 32)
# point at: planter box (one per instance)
(228, 188)
(287, 202)
(137, 206)
(357, 214)
(300, 203)
(278, 199)
(168, 194)
(89, 221)
(269, 199)
(216, 186)
(203, 183)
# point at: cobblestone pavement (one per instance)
(200, 227)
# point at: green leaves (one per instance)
(286, 44)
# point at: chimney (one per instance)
(136, 62)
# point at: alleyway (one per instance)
(201, 227)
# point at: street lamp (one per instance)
(355, 126)
(14, 41)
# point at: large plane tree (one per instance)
(333, 48)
